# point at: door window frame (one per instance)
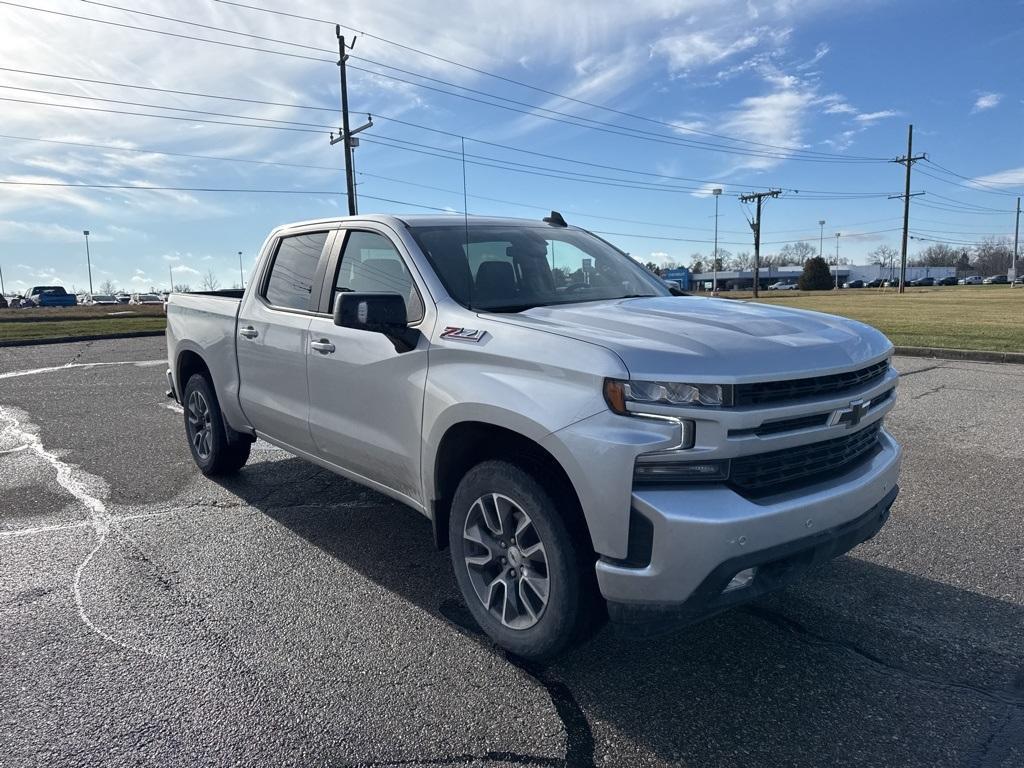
(318, 274)
(325, 306)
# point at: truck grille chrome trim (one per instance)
(793, 389)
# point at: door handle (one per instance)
(248, 332)
(322, 346)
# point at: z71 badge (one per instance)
(456, 333)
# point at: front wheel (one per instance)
(207, 436)
(521, 571)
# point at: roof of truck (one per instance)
(421, 220)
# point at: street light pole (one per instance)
(241, 275)
(714, 254)
(837, 261)
(821, 237)
(88, 258)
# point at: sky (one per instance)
(623, 116)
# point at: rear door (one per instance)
(272, 339)
(365, 398)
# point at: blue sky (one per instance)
(802, 93)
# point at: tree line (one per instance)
(991, 256)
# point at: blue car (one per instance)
(52, 296)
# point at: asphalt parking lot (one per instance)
(288, 617)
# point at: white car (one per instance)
(783, 285)
(145, 298)
(972, 280)
(99, 298)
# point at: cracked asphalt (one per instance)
(288, 617)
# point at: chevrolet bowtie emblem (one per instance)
(851, 416)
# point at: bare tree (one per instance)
(992, 256)
(795, 253)
(182, 288)
(107, 286)
(210, 281)
(938, 255)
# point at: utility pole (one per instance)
(717, 192)
(758, 197)
(347, 135)
(1016, 233)
(241, 275)
(3, 291)
(88, 259)
(821, 238)
(170, 274)
(837, 260)
(907, 160)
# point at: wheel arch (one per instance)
(466, 443)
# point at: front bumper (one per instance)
(703, 536)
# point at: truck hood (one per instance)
(713, 340)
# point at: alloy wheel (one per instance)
(506, 561)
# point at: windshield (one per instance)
(509, 268)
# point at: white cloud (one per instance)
(34, 231)
(870, 118)
(185, 270)
(987, 101)
(171, 257)
(774, 118)
(697, 49)
(1009, 177)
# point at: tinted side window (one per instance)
(294, 269)
(371, 264)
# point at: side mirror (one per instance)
(676, 291)
(382, 313)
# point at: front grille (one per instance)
(777, 471)
(794, 389)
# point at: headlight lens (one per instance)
(619, 393)
(658, 469)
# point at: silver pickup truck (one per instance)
(586, 443)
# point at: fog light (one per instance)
(741, 580)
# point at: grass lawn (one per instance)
(56, 322)
(988, 317)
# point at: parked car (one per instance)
(876, 283)
(123, 298)
(971, 280)
(923, 282)
(854, 284)
(99, 298)
(3, 301)
(52, 296)
(145, 298)
(997, 280)
(948, 280)
(528, 440)
(783, 285)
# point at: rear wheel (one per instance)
(521, 571)
(207, 435)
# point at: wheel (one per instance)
(205, 429)
(521, 571)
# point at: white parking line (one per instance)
(52, 368)
(77, 483)
(172, 407)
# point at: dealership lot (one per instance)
(287, 616)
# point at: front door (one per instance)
(365, 398)
(273, 341)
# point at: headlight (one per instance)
(619, 393)
(672, 467)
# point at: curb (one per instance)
(71, 339)
(980, 356)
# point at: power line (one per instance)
(805, 193)
(791, 153)
(583, 102)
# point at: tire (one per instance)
(206, 431)
(505, 528)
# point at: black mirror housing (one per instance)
(377, 313)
